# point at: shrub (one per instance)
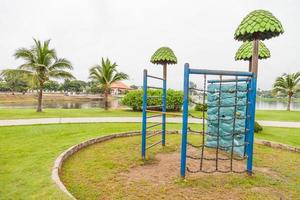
(134, 99)
(257, 127)
(201, 107)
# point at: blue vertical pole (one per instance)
(144, 124)
(185, 119)
(251, 124)
(164, 104)
(248, 119)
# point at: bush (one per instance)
(134, 99)
(257, 127)
(201, 107)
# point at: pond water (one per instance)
(116, 103)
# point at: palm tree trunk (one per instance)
(250, 65)
(289, 102)
(40, 99)
(106, 100)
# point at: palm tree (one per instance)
(41, 64)
(288, 84)
(106, 74)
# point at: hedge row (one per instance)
(134, 99)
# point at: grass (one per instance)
(290, 136)
(278, 115)
(28, 153)
(101, 178)
(272, 115)
(11, 113)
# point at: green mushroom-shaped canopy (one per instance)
(245, 51)
(259, 24)
(164, 55)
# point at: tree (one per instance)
(41, 65)
(164, 56)
(51, 85)
(245, 52)
(288, 84)
(106, 74)
(258, 25)
(73, 85)
(15, 82)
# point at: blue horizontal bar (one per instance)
(229, 80)
(155, 77)
(220, 72)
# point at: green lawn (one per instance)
(273, 115)
(12, 113)
(290, 136)
(28, 153)
(104, 178)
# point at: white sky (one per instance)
(128, 32)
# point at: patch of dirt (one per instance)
(167, 167)
(268, 171)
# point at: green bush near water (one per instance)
(257, 127)
(201, 107)
(134, 99)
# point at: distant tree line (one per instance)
(15, 84)
(42, 68)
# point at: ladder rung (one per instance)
(155, 77)
(153, 87)
(153, 134)
(152, 145)
(157, 124)
(151, 116)
(155, 106)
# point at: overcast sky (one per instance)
(129, 32)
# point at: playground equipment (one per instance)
(231, 102)
(162, 56)
(230, 119)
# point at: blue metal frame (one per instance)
(220, 72)
(229, 80)
(251, 96)
(185, 119)
(164, 109)
(250, 135)
(145, 107)
(144, 124)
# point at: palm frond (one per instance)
(60, 74)
(61, 63)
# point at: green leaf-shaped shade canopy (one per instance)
(164, 55)
(245, 51)
(260, 24)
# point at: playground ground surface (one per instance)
(29, 153)
(114, 170)
(268, 115)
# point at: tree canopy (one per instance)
(164, 55)
(259, 24)
(245, 51)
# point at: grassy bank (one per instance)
(10, 113)
(28, 153)
(32, 98)
(104, 178)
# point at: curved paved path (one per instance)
(17, 122)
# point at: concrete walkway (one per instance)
(17, 122)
